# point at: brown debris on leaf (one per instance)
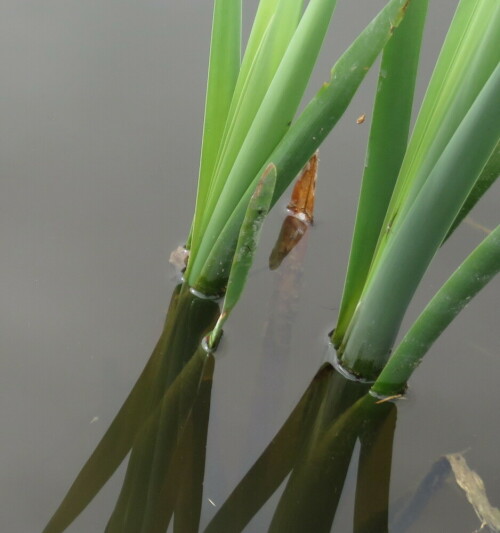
(390, 398)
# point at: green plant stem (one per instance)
(246, 246)
(469, 55)
(326, 108)
(474, 273)
(223, 69)
(270, 124)
(385, 152)
(251, 88)
(378, 316)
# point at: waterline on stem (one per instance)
(334, 360)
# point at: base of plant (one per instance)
(342, 369)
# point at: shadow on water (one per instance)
(164, 422)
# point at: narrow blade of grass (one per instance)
(303, 138)
(468, 57)
(409, 252)
(223, 69)
(265, 12)
(472, 275)
(248, 239)
(263, 54)
(250, 91)
(385, 152)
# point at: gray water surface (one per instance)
(101, 107)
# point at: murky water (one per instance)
(101, 107)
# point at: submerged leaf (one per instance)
(475, 491)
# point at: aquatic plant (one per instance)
(412, 196)
(259, 127)
(414, 193)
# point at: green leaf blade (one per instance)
(385, 152)
(469, 55)
(303, 137)
(271, 122)
(372, 332)
(224, 66)
(473, 274)
(251, 90)
(246, 246)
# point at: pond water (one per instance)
(101, 107)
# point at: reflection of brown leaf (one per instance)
(302, 202)
(291, 232)
(473, 486)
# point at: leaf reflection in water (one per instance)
(164, 478)
(163, 423)
(314, 448)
